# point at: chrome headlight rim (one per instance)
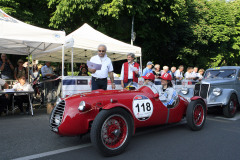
(217, 91)
(184, 90)
(82, 106)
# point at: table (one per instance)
(17, 92)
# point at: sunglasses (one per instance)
(101, 51)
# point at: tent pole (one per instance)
(141, 63)
(31, 67)
(28, 65)
(62, 68)
(72, 61)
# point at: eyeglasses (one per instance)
(101, 51)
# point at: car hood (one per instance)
(218, 81)
(99, 93)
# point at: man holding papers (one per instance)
(130, 71)
(100, 66)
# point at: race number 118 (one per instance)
(142, 107)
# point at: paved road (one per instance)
(26, 137)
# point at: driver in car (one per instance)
(167, 94)
(149, 81)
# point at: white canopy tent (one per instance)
(20, 38)
(82, 45)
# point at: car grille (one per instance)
(201, 90)
(57, 115)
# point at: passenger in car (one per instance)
(167, 94)
(149, 81)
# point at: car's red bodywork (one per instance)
(75, 122)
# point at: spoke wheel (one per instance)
(114, 132)
(111, 131)
(230, 109)
(196, 114)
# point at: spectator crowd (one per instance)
(192, 73)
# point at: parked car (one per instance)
(219, 87)
(112, 116)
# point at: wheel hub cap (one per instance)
(116, 132)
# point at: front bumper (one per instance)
(209, 105)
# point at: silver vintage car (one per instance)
(219, 87)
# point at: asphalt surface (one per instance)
(27, 137)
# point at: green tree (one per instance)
(154, 22)
(222, 21)
(33, 12)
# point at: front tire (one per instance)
(111, 131)
(230, 109)
(196, 114)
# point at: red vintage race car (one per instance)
(112, 116)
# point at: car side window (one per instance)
(238, 75)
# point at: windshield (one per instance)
(220, 74)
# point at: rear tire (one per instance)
(111, 131)
(196, 114)
(230, 109)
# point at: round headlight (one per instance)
(217, 91)
(184, 90)
(82, 106)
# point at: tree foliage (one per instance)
(33, 12)
(202, 33)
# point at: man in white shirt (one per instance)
(195, 73)
(130, 71)
(3, 98)
(165, 70)
(173, 71)
(200, 74)
(179, 74)
(22, 85)
(188, 75)
(99, 77)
